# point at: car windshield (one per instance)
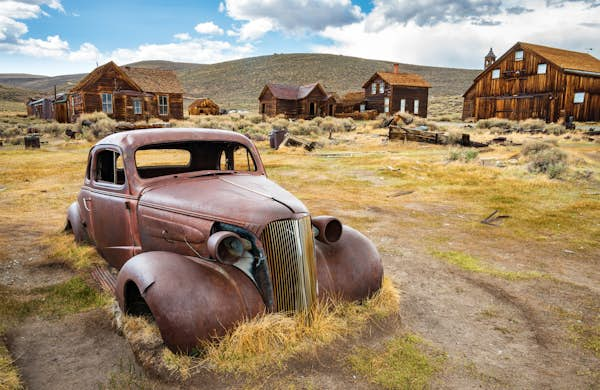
(193, 156)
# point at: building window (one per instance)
(579, 96)
(362, 107)
(495, 74)
(542, 68)
(386, 104)
(519, 55)
(402, 105)
(163, 105)
(137, 107)
(381, 87)
(107, 103)
(373, 88)
(416, 108)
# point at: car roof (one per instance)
(133, 139)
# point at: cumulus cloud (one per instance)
(462, 43)
(208, 28)
(182, 36)
(518, 10)
(295, 16)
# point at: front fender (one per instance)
(350, 268)
(191, 299)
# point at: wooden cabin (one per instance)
(203, 106)
(533, 81)
(390, 92)
(128, 94)
(293, 101)
(49, 108)
(351, 102)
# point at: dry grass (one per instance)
(9, 376)
(62, 249)
(258, 346)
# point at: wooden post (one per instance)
(466, 140)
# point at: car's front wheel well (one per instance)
(135, 304)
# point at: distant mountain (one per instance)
(14, 94)
(237, 84)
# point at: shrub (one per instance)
(534, 147)
(549, 161)
(555, 128)
(280, 124)
(495, 122)
(532, 124)
(464, 155)
(454, 137)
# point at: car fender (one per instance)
(350, 268)
(76, 224)
(191, 299)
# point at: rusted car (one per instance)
(203, 239)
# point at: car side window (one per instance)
(237, 158)
(109, 168)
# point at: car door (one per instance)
(107, 202)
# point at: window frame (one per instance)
(416, 106)
(94, 166)
(382, 87)
(137, 102)
(386, 104)
(578, 95)
(545, 67)
(495, 74)
(402, 105)
(106, 104)
(374, 88)
(162, 106)
(520, 57)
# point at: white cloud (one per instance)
(221, 7)
(463, 44)
(194, 50)
(182, 36)
(208, 28)
(291, 16)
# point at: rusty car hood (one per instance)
(245, 200)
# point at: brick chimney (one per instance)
(396, 68)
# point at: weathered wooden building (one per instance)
(533, 81)
(389, 92)
(128, 94)
(49, 108)
(351, 102)
(293, 101)
(203, 106)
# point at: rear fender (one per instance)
(191, 299)
(350, 268)
(76, 224)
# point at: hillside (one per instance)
(237, 84)
(14, 94)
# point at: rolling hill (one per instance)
(237, 84)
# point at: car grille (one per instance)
(290, 250)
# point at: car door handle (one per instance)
(85, 200)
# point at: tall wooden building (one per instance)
(533, 81)
(128, 94)
(296, 101)
(392, 92)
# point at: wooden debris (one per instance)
(296, 142)
(490, 219)
(400, 193)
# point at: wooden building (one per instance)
(533, 81)
(49, 108)
(388, 93)
(128, 94)
(304, 101)
(351, 102)
(203, 106)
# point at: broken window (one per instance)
(541, 68)
(579, 97)
(109, 168)
(107, 103)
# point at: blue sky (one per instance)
(65, 36)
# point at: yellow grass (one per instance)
(9, 376)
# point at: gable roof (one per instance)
(353, 97)
(564, 59)
(154, 80)
(146, 80)
(292, 92)
(404, 79)
(97, 73)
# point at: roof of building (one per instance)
(404, 79)
(565, 59)
(490, 54)
(292, 92)
(353, 97)
(154, 80)
(147, 80)
(203, 102)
